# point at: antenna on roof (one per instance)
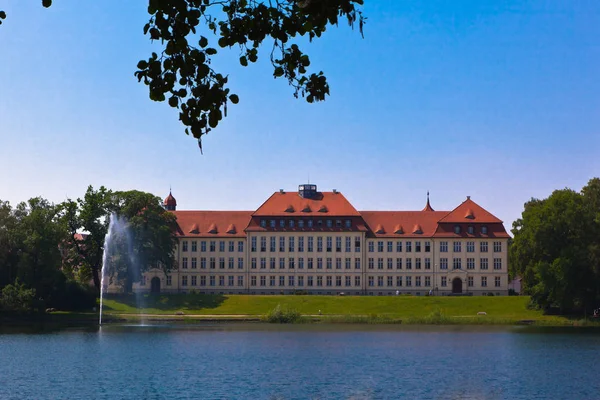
(309, 178)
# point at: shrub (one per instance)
(17, 298)
(282, 315)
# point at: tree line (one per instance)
(51, 254)
(556, 250)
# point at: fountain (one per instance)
(117, 249)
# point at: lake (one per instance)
(259, 361)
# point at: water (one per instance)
(300, 362)
(117, 249)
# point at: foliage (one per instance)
(556, 249)
(182, 70)
(17, 298)
(282, 315)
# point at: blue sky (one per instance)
(494, 99)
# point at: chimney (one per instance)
(335, 191)
(468, 197)
(281, 191)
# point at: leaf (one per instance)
(211, 51)
(234, 98)
(142, 64)
(278, 72)
(203, 42)
(244, 61)
(2, 15)
(46, 3)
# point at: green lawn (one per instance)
(409, 309)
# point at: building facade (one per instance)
(318, 243)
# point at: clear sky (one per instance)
(497, 99)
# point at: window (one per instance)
(399, 247)
(231, 247)
(484, 281)
(291, 244)
(329, 245)
(202, 262)
(194, 263)
(301, 281)
(427, 263)
(212, 281)
(470, 281)
(184, 263)
(281, 263)
(371, 263)
(483, 263)
(319, 263)
(212, 263)
(263, 223)
(240, 263)
(272, 223)
(443, 263)
(398, 263)
(456, 263)
(418, 281)
(408, 281)
(240, 280)
(417, 263)
(409, 263)
(143, 281)
(338, 244)
(292, 223)
(301, 226)
(252, 245)
(348, 224)
(319, 281)
(357, 281)
(483, 247)
(221, 245)
(443, 247)
(338, 263)
(263, 243)
(408, 247)
(240, 246)
(444, 281)
(371, 281)
(497, 247)
(470, 263)
(263, 280)
(282, 223)
(194, 246)
(301, 244)
(380, 263)
(457, 229)
(291, 263)
(417, 247)
(203, 246)
(309, 281)
(263, 263)
(470, 247)
(427, 281)
(281, 244)
(310, 263)
(497, 263)
(184, 280)
(310, 225)
(253, 263)
(390, 263)
(319, 244)
(399, 281)
(310, 244)
(291, 279)
(213, 245)
(357, 244)
(338, 281)
(282, 281)
(470, 230)
(348, 281)
(427, 247)
(202, 281)
(497, 281)
(338, 223)
(272, 263)
(252, 281)
(371, 247)
(301, 263)
(390, 246)
(457, 247)
(380, 246)
(329, 223)
(329, 263)
(380, 281)
(230, 280)
(184, 245)
(390, 281)
(272, 244)
(348, 244)
(484, 230)
(221, 262)
(357, 263)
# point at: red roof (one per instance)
(291, 204)
(212, 223)
(469, 211)
(407, 222)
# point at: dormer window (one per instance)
(282, 223)
(457, 229)
(348, 224)
(272, 223)
(301, 223)
(263, 223)
(329, 223)
(338, 223)
(310, 223)
(484, 230)
(320, 223)
(291, 223)
(470, 230)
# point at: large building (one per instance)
(318, 243)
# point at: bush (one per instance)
(511, 292)
(74, 297)
(17, 298)
(490, 294)
(282, 315)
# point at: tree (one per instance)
(182, 70)
(555, 249)
(8, 245)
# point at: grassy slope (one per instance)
(499, 309)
